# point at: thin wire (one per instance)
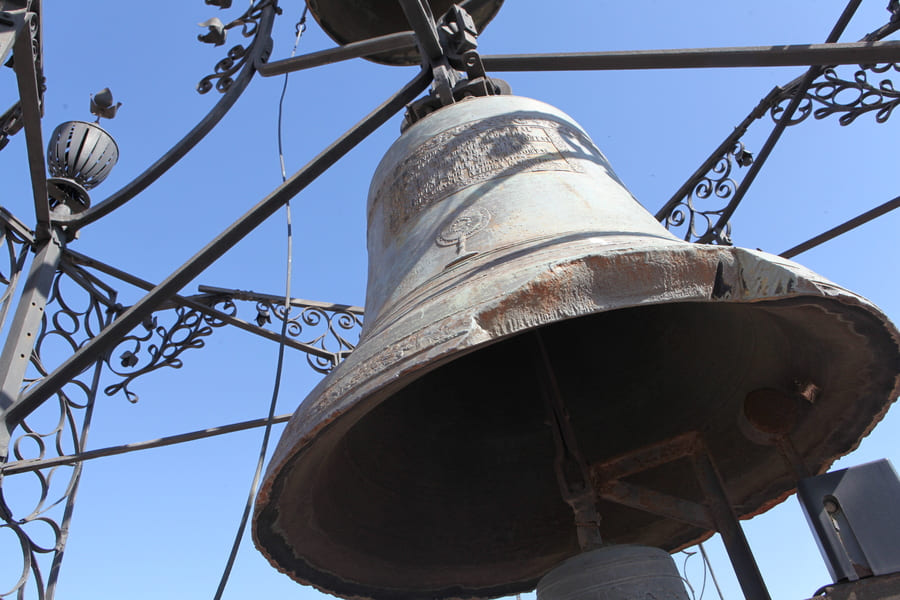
(711, 572)
(299, 28)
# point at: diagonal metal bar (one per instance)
(259, 48)
(24, 330)
(418, 13)
(195, 304)
(701, 58)
(783, 122)
(717, 154)
(403, 40)
(720, 509)
(27, 61)
(843, 228)
(296, 302)
(658, 503)
(17, 226)
(132, 317)
(25, 466)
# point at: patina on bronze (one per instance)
(348, 21)
(423, 466)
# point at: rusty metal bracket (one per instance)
(715, 512)
(572, 472)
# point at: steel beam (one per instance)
(27, 76)
(701, 58)
(24, 331)
(133, 317)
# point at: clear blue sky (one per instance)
(160, 523)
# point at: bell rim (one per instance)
(360, 399)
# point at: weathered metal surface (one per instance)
(423, 465)
(885, 587)
(855, 518)
(347, 21)
(614, 573)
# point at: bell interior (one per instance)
(444, 486)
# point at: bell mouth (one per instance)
(433, 475)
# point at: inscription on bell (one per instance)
(473, 153)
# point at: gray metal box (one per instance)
(855, 516)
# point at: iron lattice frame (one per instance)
(110, 345)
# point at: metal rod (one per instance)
(418, 13)
(572, 472)
(132, 317)
(701, 58)
(715, 156)
(842, 228)
(785, 119)
(657, 503)
(403, 40)
(23, 333)
(25, 466)
(72, 492)
(257, 297)
(191, 139)
(32, 110)
(728, 526)
(194, 304)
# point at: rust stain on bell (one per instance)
(423, 466)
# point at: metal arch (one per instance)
(257, 55)
(133, 317)
(714, 176)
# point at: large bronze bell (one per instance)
(503, 253)
(348, 21)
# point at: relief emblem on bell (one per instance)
(461, 228)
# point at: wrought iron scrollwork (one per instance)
(848, 98)
(36, 507)
(717, 186)
(334, 330)
(10, 123)
(237, 55)
(159, 346)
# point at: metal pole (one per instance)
(701, 58)
(403, 40)
(24, 332)
(729, 528)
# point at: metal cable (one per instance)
(300, 27)
(712, 573)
